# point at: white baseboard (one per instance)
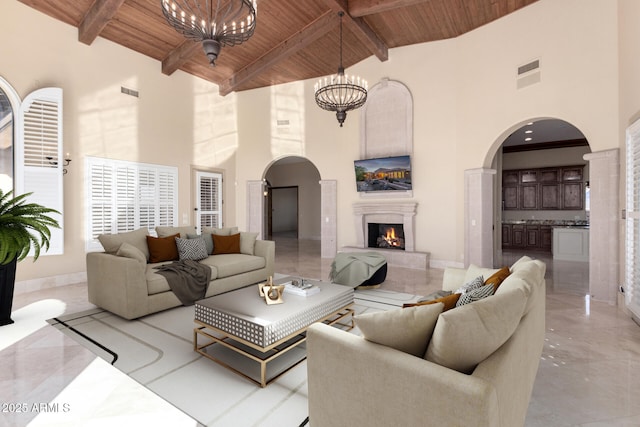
(31, 285)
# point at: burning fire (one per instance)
(391, 238)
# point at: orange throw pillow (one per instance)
(497, 278)
(162, 248)
(226, 244)
(449, 302)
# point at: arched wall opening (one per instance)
(483, 221)
(292, 201)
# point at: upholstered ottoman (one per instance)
(358, 269)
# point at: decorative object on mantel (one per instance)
(271, 293)
(341, 93)
(23, 226)
(214, 23)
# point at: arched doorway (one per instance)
(544, 211)
(543, 180)
(292, 199)
(482, 218)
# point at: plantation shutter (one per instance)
(167, 198)
(208, 199)
(101, 184)
(125, 199)
(39, 159)
(632, 239)
(125, 196)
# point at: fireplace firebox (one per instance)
(386, 236)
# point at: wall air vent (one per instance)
(533, 65)
(128, 91)
(528, 74)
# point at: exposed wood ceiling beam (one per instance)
(179, 56)
(369, 7)
(307, 35)
(361, 29)
(96, 18)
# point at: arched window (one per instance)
(9, 102)
(31, 150)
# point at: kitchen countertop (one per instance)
(550, 222)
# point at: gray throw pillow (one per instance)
(208, 240)
(191, 249)
(475, 295)
(470, 285)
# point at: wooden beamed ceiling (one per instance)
(293, 40)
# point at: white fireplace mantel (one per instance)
(390, 213)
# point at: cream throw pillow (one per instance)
(170, 231)
(228, 231)
(129, 251)
(474, 271)
(465, 336)
(247, 242)
(405, 329)
(138, 238)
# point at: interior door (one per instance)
(208, 208)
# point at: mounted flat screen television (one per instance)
(383, 174)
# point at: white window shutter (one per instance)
(147, 198)
(125, 196)
(167, 200)
(208, 199)
(632, 241)
(100, 195)
(39, 159)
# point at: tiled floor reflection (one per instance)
(587, 375)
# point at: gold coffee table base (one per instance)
(230, 341)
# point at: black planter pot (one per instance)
(7, 283)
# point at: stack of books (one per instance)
(301, 288)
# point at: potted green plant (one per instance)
(22, 226)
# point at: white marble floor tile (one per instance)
(587, 375)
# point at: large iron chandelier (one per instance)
(340, 92)
(215, 23)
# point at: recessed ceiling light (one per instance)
(528, 139)
(528, 131)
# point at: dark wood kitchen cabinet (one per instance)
(572, 196)
(560, 188)
(527, 236)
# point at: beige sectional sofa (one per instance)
(122, 281)
(355, 381)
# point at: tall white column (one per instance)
(604, 224)
(329, 216)
(478, 217)
(255, 207)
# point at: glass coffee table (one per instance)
(241, 323)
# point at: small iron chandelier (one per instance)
(215, 23)
(341, 93)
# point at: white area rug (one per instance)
(157, 351)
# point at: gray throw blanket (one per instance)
(187, 279)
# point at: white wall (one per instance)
(629, 90)
(177, 120)
(465, 104)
